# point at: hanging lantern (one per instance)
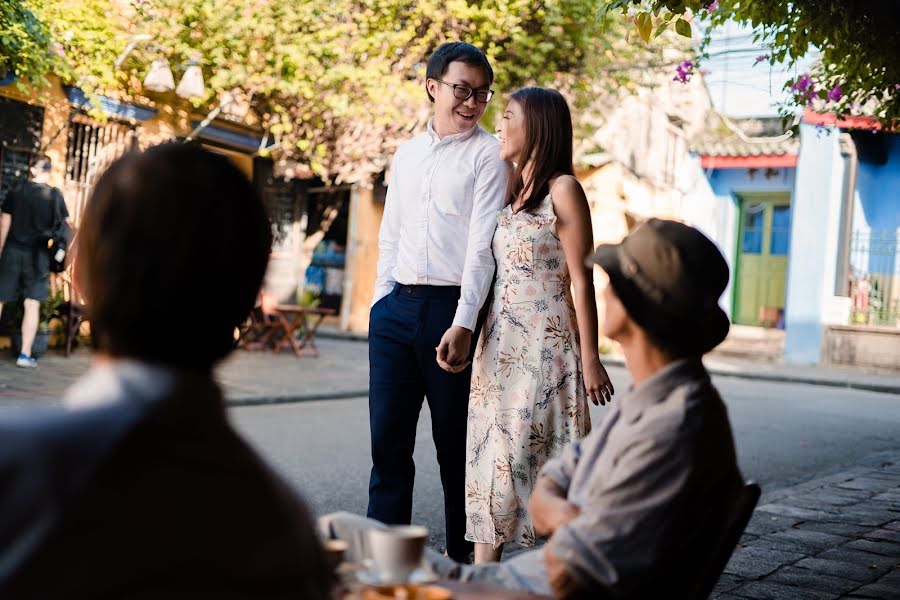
(160, 79)
(191, 85)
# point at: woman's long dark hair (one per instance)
(548, 143)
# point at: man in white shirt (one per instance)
(434, 270)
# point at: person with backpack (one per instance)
(32, 214)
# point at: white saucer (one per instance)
(418, 576)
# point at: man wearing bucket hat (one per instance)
(634, 508)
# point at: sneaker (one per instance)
(27, 362)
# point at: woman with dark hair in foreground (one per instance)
(142, 489)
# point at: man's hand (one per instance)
(549, 508)
(561, 582)
(453, 351)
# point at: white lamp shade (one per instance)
(160, 79)
(191, 85)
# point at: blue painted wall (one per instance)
(878, 190)
(814, 232)
(876, 215)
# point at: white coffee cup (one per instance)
(396, 551)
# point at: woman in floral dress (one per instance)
(537, 361)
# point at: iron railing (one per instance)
(875, 278)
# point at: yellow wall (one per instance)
(56, 119)
(362, 259)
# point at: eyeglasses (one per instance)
(464, 92)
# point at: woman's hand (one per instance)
(596, 380)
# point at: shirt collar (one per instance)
(657, 388)
(456, 137)
(124, 380)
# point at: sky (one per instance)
(736, 86)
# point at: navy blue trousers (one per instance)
(405, 327)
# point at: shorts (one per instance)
(24, 274)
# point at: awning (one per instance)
(759, 161)
(113, 108)
(229, 137)
(741, 154)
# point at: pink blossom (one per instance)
(530, 290)
(760, 58)
(712, 6)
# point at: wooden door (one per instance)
(763, 246)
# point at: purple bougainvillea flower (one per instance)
(684, 71)
(834, 94)
(804, 86)
(712, 6)
(760, 58)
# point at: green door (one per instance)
(763, 243)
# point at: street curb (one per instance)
(294, 398)
(853, 385)
(883, 388)
(342, 336)
(610, 360)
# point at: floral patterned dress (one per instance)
(528, 398)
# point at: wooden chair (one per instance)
(263, 326)
(75, 313)
(726, 541)
(75, 316)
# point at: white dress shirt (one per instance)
(440, 215)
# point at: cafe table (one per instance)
(300, 325)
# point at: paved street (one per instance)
(842, 445)
(785, 434)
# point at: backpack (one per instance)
(57, 237)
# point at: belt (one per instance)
(432, 292)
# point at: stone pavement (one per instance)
(342, 371)
(836, 536)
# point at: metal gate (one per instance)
(91, 147)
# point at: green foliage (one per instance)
(337, 84)
(76, 40)
(340, 84)
(25, 43)
(858, 41)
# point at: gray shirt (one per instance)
(652, 481)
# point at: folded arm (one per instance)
(616, 541)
